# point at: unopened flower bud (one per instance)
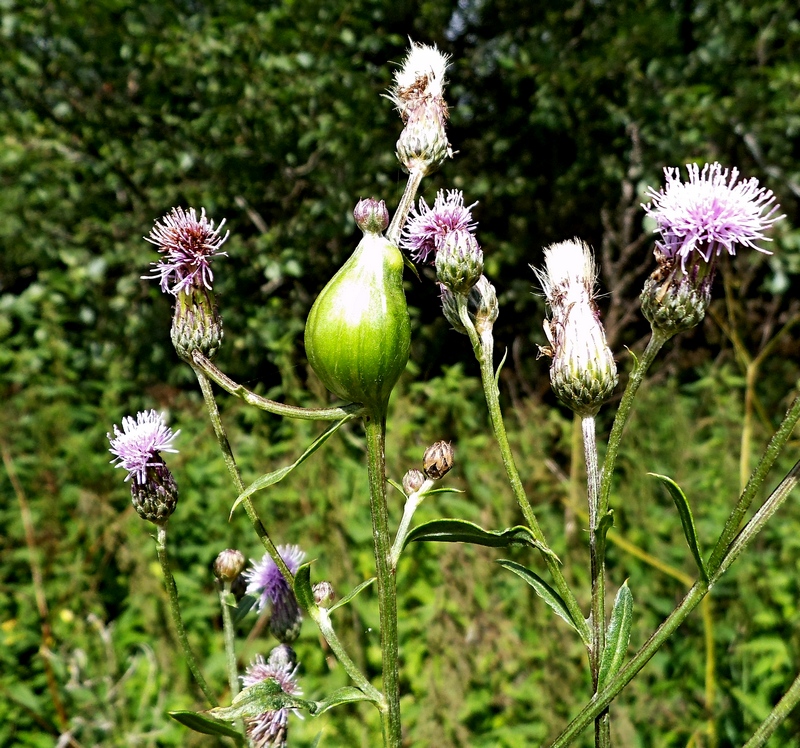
(196, 324)
(437, 460)
(323, 594)
(156, 498)
(229, 564)
(413, 481)
(282, 657)
(371, 216)
(459, 263)
(482, 306)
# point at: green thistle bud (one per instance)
(482, 307)
(358, 332)
(371, 216)
(156, 498)
(196, 324)
(423, 145)
(413, 480)
(459, 262)
(229, 564)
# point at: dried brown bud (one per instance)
(229, 564)
(437, 460)
(323, 594)
(412, 481)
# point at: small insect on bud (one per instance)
(323, 594)
(371, 216)
(229, 564)
(413, 481)
(437, 460)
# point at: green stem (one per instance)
(412, 503)
(175, 610)
(655, 344)
(776, 716)
(483, 346)
(774, 448)
(404, 206)
(227, 454)
(375, 426)
(601, 700)
(227, 626)
(201, 364)
(602, 734)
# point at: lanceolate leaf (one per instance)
(544, 590)
(461, 531)
(243, 608)
(345, 695)
(270, 479)
(206, 725)
(687, 520)
(617, 636)
(302, 587)
(348, 597)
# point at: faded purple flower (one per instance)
(188, 244)
(265, 580)
(269, 729)
(710, 212)
(139, 443)
(427, 228)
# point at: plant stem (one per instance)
(654, 345)
(609, 692)
(483, 346)
(375, 425)
(404, 206)
(412, 503)
(602, 734)
(175, 610)
(227, 626)
(201, 363)
(776, 716)
(227, 454)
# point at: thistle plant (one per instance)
(357, 340)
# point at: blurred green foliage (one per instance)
(271, 116)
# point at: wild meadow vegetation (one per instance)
(273, 119)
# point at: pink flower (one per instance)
(138, 445)
(427, 228)
(710, 212)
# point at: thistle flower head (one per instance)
(427, 229)
(265, 580)
(420, 78)
(269, 729)
(137, 446)
(188, 244)
(582, 373)
(710, 213)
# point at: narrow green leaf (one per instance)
(500, 367)
(243, 608)
(206, 725)
(345, 695)
(317, 740)
(395, 484)
(687, 520)
(302, 587)
(265, 696)
(603, 526)
(270, 479)
(544, 590)
(617, 636)
(348, 597)
(411, 266)
(461, 531)
(444, 489)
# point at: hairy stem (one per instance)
(375, 425)
(227, 626)
(776, 716)
(404, 206)
(175, 610)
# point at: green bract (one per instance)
(358, 332)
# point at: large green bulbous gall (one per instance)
(358, 332)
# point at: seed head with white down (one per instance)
(582, 373)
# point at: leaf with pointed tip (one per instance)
(266, 696)
(461, 531)
(618, 635)
(545, 591)
(349, 596)
(345, 695)
(500, 367)
(270, 479)
(687, 520)
(317, 740)
(243, 608)
(206, 725)
(396, 485)
(302, 587)
(605, 524)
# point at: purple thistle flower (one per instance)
(138, 445)
(188, 244)
(427, 228)
(265, 580)
(269, 729)
(710, 212)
